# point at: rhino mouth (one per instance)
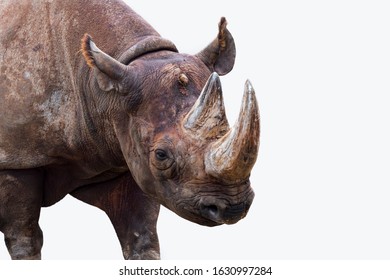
(212, 210)
(225, 215)
(220, 211)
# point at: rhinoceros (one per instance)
(96, 104)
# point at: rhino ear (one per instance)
(110, 72)
(220, 54)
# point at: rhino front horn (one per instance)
(232, 157)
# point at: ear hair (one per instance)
(86, 50)
(108, 71)
(221, 34)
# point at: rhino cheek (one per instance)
(134, 137)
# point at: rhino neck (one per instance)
(95, 111)
(115, 30)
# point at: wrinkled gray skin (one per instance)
(122, 129)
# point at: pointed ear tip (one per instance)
(87, 36)
(86, 49)
(85, 41)
(222, 23)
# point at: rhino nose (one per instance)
(221, 212)
(211, 211)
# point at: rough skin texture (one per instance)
(106, 120)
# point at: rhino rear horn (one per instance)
(207, 118)
(111, 70)
(220, 54)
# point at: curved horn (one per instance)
(232, 157)
(207, 117)
(146, 45)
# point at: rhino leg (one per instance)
(20, 204)
(132, 213)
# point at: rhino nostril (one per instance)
(213, 209)
(210, 211)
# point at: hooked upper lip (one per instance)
(213, 210)
(213, 203)
(222, 212)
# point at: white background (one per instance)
(321, 70)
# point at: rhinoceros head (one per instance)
(172, 127)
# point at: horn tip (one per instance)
(249, 90)
(214, 81)
(249, 86)
(214, 75)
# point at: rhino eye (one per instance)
(161, 155)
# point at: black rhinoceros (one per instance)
(125, 129)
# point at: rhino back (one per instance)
(43, 102)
